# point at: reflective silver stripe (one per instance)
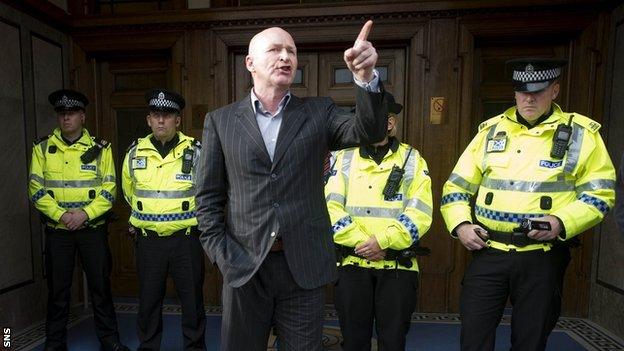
(196, 158)
(527, 186)
(108, 178)
(409, 170)
(373, 211)
(490, 134)
(574, 149)
(346, 169)
(44, 146)
(73, 183)
(164, 194)
(463, 183)
(419, 205)
(346, 163)
(37, 179)
(131, 154)
(596, 184)
(98, 169)
(335, 197)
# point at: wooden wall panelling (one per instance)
(440, 81)
(607, 288)
(200, 94)
(16, 249)
(585, 74)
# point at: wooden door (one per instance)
(325, 74)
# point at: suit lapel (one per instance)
(294, 116)
(250, 130)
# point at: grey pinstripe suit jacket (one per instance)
(243, 197)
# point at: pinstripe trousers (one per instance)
(270, 297)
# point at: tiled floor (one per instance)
(431, 332)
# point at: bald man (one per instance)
(262, 159)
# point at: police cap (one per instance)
(534, 74)
(393, 106)
(68, 100)
(164, 100)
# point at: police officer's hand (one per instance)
(65, 218)
(467, 234)
(370, 249)
(362, 57)
(77, 219)
(546, 235)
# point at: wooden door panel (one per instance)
(335, 79)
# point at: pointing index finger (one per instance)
(364, 31)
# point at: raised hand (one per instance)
(362, 57)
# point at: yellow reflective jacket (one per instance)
(161, 195)
(59, 181)
(511, 169)
(358, 210)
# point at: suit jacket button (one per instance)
(273, 176)
(275, 204)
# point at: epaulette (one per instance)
(491, 122)
(585, 122)
(133, 144)
(101, 142)
(43, 138)
(196, 143)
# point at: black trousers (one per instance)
(181, 256)
(528, 279)
(95, 258)
(561, 256)
(385, 297)
(272, 297)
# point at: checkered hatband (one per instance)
(68, 103)
(164, 103)
(530, 75)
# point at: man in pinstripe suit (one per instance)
(260, 202)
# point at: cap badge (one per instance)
(64, 100)
(529, 68)
(161, 96)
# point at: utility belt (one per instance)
(520, 239)
(178, 233)
(517, 239)
(402, 257)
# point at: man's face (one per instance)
(272, 59)
(70, 122)
(163, 124)
(532, 106)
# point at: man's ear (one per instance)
(249, 64)
(555, 90)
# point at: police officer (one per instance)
(159, 184)
(379, 202)
(534, 162)
(72, 184)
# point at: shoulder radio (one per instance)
(561, 140)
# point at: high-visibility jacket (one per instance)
(60, 181)
(510, 168)
(358, 209)
(160, 192)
